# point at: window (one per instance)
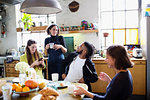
(39, 20)
(120, 18)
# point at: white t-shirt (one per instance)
(75, 72)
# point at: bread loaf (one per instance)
(49, 92)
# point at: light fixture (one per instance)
(41, 7)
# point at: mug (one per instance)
(51, 45)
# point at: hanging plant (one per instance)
(27, 20)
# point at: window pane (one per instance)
(132, 19)
(109, 39)
(119, 19)
(118, 4)
(106, 5)
(119, 37)
(106, 20)
(132, 36)
(131, 4)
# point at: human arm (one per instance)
(62, 44)
(58, 46)
(104, 77)
(41, 61)
(89, 72)
(80, 90)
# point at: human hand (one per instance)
(104, 77)
(36, 62)
(79, 91)
(63, 76)
(57, 46)
(81, 80)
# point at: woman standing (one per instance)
(55, 47)
(33, 57)
(121, 86)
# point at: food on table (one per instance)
(14, 86)
(19, 89)
(31, 84)
(25, 89)
(42, 85)
(19, 84)
(49, 94)
(48, 98)
(62, 84)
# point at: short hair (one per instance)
(90, 49)
(122, 60)
(50, 27)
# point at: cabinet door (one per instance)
(100, 86)
(139, 78)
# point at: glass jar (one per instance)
(32, 73)
(22, 77)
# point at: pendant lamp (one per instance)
(41, 7)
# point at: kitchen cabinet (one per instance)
(138, 74)
(10, 69)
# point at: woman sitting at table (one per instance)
(33, 57)
(121, 86)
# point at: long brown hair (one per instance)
(29, 55)
(118, 52)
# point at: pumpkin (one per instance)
(31, 84)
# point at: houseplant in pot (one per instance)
(27, 20)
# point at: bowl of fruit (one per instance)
(24, 90)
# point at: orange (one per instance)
(19, 89)
(14, 86)
(25, 89)
(19, 84)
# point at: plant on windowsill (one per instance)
(27, 20)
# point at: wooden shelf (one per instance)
(38, 28)
(80, 31)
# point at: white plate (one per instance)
(38, 97)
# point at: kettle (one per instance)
(137, 53)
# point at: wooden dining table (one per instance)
(63, 93)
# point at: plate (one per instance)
(56, 85)
(26, 93)
(38, 97)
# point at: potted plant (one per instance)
(27, 20)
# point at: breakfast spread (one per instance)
(48, 94)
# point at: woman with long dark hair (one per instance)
(55, 47)
(33, 57)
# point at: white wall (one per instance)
(11, 40)
(88, 10)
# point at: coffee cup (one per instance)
(71, 88)
(55, 76)
(51, 45)
(7, 90)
